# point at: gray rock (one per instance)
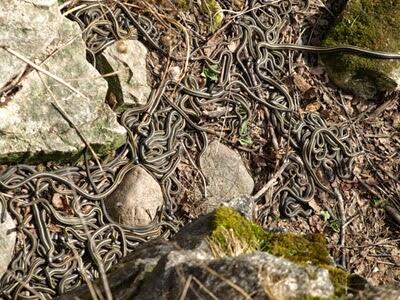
(244, 204)
(226, 175)
(32, 129)
(258, 274)
(184, 268)
(125, 278)
(194, 235)
(7, 242)
(379, 293)
(129, 86)
(136, 200)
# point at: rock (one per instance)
(7, 242)
(379, 293)
(136, 200)
(226, 175)
(369, 24)
(258, 274)
(244, 204)
(31, 128)
(126, 277)
(129, 86)
(184, 268)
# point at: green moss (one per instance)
(227, 219)
(307, 249)
(339, 279)
(304, 250)
(214, 12)
(371, 24)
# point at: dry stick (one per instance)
(91, 287)
(186, 288)
(272, 181)
(375, 114)
(102, 271)
(342, 225)
(26, 286)
(206, 290)
(40, 69)
(64, 114)
(229, 282)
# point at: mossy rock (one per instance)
(231, 232)
(371, 24)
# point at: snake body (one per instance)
(61, 245)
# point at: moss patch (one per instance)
(307, 249)
(371, 24)
(229, 226)
(214, 12)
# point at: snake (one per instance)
(60, 246)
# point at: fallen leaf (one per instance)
(301, 83)
(313, 107)
(57, 201)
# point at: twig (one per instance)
(272, 181)
(342, 215)
(206, 290)
(186, 288)
(40, 69)
(91, 287)
(100, 264)
(64, 114)
(229, 282)
(375, 114)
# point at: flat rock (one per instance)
(226, 175)
(259, 274)
(128, 87)
(136, 200)
(7, 242)
(31, 128)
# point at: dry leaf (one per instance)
(301, 83)
(313, 107)
(57, 201)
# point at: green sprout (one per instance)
(325, 215)
(333, 224)
(210, 72)
(245, 139)
(375, 201)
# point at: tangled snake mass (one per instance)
(57, 250)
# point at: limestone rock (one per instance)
(226, 175)
(135, 198)
(368, 24)
(7, 242)
(125, 278)
(379, 293)
(31, 128)
(259, 274)
(129, 86)
(245, 205)
(185, 262)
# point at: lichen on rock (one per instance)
(368, 24)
